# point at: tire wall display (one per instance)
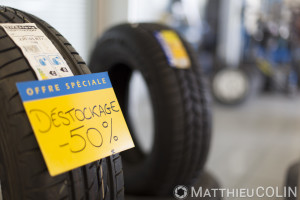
(179, 99)
(23, 172)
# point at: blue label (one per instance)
(165, 48)
(34, 90)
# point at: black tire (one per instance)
(208, 181)
(297, 69)
(23, 172)
(292, 179)
(180, 105)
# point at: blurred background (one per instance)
(256, 138)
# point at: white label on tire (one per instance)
(40, 52)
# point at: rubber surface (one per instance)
(292, 179)
(23, 172)
(180, 102)
(207, 181)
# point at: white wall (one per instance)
(70, 17)
(110, 13)
(145, 10)
(229, 49)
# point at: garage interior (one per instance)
(254, 142)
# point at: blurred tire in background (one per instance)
(292, 178)
(236, 86)
(178, 98)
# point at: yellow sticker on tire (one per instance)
(174, 49)
(76, 120)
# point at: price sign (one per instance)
(76, 120)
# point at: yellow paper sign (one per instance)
(174, 49)
(76, 120)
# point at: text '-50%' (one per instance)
(93, 136)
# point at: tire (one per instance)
(23, 172)
(180, 102)
(208, 182)
(248, 79)
(297, 69)
(292, 178)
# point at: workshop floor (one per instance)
(254, 144)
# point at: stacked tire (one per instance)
(179, 99)
(23, 172)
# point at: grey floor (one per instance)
(254, 144)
